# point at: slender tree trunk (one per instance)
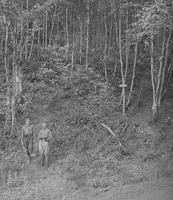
(87, 35)
(67, 33)
(57, 27)
(110, 33)
(159, 76)
(14, 94)
(2, 43)
(154, 106)
(164, 67)
(81, 39)
(43, 35)
(19, 51)
(121, 62)
(105, 49)
(32, 45)
(116, 44)
(73, 43)
(46, 29)
(133, 75)
(38, 40)
(127, 44)
(27, 32)
(52, 26)
(6, 62)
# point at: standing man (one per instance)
(28, 137)
(44, 137)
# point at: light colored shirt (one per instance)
(27, 130)
(45, 133)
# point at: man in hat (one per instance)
(28, 137)
(44, 137)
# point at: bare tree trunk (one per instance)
(67, 33)
(73, 44)
(133, 75)
(52, 26)
(46, 29)
(27, 32)
(127, 44)
(116, 45)
(87, 35)
(81, 39)
(43, 35)
(110, 33)
(39, 35)
(14, 85)
(2, 43)
(121, 63)
(32, 45)
(105, 50)
(164, 67)
(57, 28)
(6, 62)
(154, 106)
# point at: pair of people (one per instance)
(43, 137)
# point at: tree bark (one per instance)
(6, 62)
(52, 25)
(81, 39)
(46, 29)
(127, 44)
(105, 49)
(121, 63)
(154, 106)
(116, 44)
(133, 75)
(27, 32)
(87, 35)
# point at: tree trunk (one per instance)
(87, 35)
(27, 32)
(46, 29)
(2, 43)
(67, 33)
(38, 40)
(6, 62)
(127, 44)
(133, 75)
(105, 49)
(52, 26)
(121, 64)
(32, 45)
(13, 101)
(81, 39)
(116, 44)
(154, 106)
(73, 44)
(164, 67)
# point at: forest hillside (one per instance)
(99, 74)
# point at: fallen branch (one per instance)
(100, 147)
(109, 129)
(123, 129)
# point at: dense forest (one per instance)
(86, 67)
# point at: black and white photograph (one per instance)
(86, 99)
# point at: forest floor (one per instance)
(142, 170)
(57, 183)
